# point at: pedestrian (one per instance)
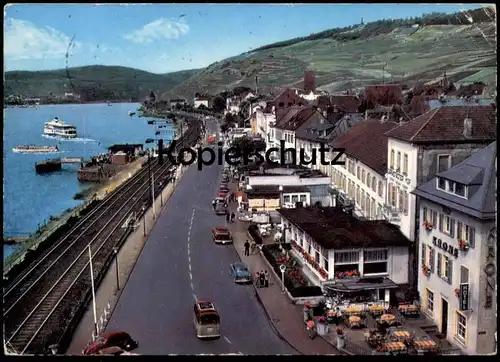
(247, 248)
(262, 278)
(227, 217)
(214, 203)
(266, 279)
(257, 279)
(232, 216)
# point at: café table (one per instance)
(424, 345)
(376, 309)
(393, 347)
(354, 321)
(387, 318)
(401, 335)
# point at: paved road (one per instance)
(179, 264)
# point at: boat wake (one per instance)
(77, 139)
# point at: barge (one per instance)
(50, 165)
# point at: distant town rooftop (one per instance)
(334, 229)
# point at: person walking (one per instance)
(228, 217)
(262, 278)
(232, 216)
(266, 279)
(247, 248)
(311, 328)
(214, 203)
(257, 279)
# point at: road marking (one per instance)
(190, 268)
(189, 259)
(191, 276)
(192, 286)
(194, 296)
(227, 339)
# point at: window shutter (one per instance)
(452, 228)
(441, 219)
(472, 236)
(434, 219)
(439, 265)
(424, 216)
(422, 257)
(459, 230)
(450, 271)
(432, 260)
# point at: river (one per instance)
(29, 198)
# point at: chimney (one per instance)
(468, 127)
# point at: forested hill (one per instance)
(92, 83)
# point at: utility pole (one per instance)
(152, 187)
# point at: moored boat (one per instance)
(35, 149)
(58, 128)
(130, 113)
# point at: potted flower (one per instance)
(463, 245)
(426, 270)
(457, 292)
(427, 225)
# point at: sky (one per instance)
(162, 38)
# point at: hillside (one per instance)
(93, 82)
(409, 50)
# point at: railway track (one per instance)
(38, 304)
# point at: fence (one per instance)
(35, 240)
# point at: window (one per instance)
(427, 257)
(380, 189)
(358, 173)
(325, 263)
(464, 274)
(358, 194)
(405, 202)
(346, 257)
(363, 176)
(443, 163)
(374, 184)
(392, 160)
(309, 248)
(447, 225)
(405, 164)
(429, 300)
(400, 204)
(433, 218)
(445, 268)
(460, 189)
(362, 203)
(375, 261)
(398, 161)
(295, 198)
(461, 326)
(451, 187)
(368, 179)
(316, 257)
(441, 184)
(394, 195)
(286, 198)
(466, 233)
(303, 198)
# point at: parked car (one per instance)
(240, 272)
(221, 235)
(111, 339)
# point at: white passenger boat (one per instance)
(35, 149)
(58, 128)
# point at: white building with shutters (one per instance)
(457, 258)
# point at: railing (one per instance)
(391, 213)
(355, 349)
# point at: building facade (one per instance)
(457, 241)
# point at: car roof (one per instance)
(240, 264)
(204, 305)
(106, 335)
(221, 230)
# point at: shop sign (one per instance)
(464, 296)
(445, 246)
(398, 176)
(490, 271)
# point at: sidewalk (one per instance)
(285, 317)
(107, 294)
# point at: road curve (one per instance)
(179, 263)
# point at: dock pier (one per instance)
(55, 164)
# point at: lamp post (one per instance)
(144, 218)
(151, 181)
(161, 194)
(115, 250)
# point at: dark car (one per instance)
(111, 339)
(221, 235)
(240, 272)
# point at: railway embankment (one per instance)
(59, 284)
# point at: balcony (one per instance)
(391, 213)
(345, 201)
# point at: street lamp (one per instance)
(161, 194)
(144, 218)
(115, 250)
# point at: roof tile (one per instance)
(445, 124)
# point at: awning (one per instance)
(358, 284)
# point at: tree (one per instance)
(218, 104)
(230, 120)
(202, 107)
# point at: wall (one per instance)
(263, 204)
(404, 204)
(478, 318)
(289, 180)
(288, 197)
(350, 183)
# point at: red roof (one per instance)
(295, 117)
(446, 124)
(348, 103)
(367, 142)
